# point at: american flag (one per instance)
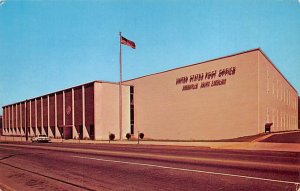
(127, 42)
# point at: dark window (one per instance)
(92, 132)
(131, 114)
(131, 89)
(131, 110)
(132, 128)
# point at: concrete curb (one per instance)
(262, 146)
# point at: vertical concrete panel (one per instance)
(7, 119)
(32, 113)
(36, 118)
(39, 117)
(42, 116)
(68, 107)
(101, 132)
(78, 105)
(50, 130)
(85, 133)
(14, 116)
(28, 117)
(19, 118)
(23, 117)
(52, 114)
(78, 114)
(59, 101)
(89, 109)
(4, 120)
(1, 124)
(11, 118)
(107, 110)
(52, 110)
(74, 131)
(68, 114)
(45, 111)
(4, 117)
(7, 122)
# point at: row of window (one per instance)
(281, 120)
(282, 93)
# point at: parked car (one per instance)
(41, 139)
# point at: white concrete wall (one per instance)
(164, 111)
(277, 99)
(107, 110)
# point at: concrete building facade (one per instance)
(88, 111)
(228, 97)
(224, 98)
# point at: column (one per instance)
(4, 121)
(16, 121)
(30, 119)
(42, 118)
(21, 122)
(74, 131)
(64, 112)
(19, 119)
(57, 134)
(13, 120)
(25, 117)
(35, 113)
(50, 134)
(9, 125)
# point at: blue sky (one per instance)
(46, 46)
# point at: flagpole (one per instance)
(120, 90)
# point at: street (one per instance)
(58, 166)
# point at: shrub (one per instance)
(141, 135)
(128, 136)
(111, 137)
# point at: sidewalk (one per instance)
(264, 146)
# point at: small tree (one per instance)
(128, 136)
(111, 137)
(141, 135)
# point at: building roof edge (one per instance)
(264, 54)
(186, 66)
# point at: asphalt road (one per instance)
(144, 167)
